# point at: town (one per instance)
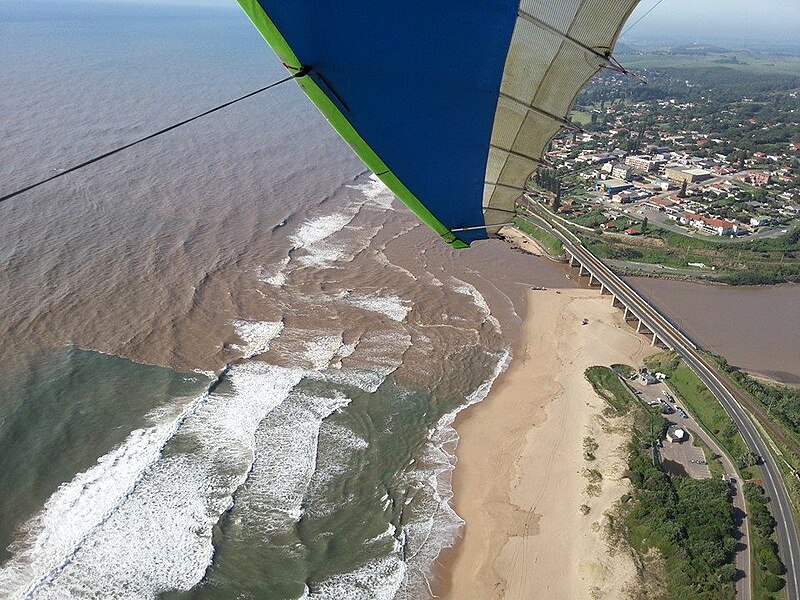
(707, 160)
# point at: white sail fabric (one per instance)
(556, 47)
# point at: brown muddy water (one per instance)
(756, 328)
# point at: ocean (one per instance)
(231, 358)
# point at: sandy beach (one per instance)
(521, 480)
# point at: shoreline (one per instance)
(520, 466)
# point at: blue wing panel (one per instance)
(418, 80)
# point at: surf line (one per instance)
(41, 580)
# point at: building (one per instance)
(622, 198)
(620, 171)
(614, 186)
(709, 224)
(676, 435)
(658, 203)
(642, 163)
(688, 175)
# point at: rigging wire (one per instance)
(300, 73)
(631, 26)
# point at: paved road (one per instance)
(788, 541)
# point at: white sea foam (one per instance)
(381, 257)
(392, 306)
(470, 290)
(343, 352)
(286, 458)
(313, 231)
(321, 348)
(377, 580)
(275, 275)
(427, 537)
(79, 508)
(257, 335)
(376, 192)
(140, 521)
(378, 354)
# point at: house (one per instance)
(758, 178)
(646, 378)
(708, 224)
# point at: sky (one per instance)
(745, 22)
(717, 20)
(754, 20)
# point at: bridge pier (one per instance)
(654, 341)
(625, 314)
(591, 278)
(580, 269)
(639, 326)
(571, 259)
(602, 288)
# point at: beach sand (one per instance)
(521, 479)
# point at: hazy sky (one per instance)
(690, 20)
(748, 20)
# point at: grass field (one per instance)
(608, 386)
(744, 61)
(549, 242)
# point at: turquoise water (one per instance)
(64, 411)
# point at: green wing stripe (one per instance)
(343, 127)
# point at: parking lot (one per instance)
(677, 458)
(684, 459)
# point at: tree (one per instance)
(644, 225)
(682, 193)
(748, 459)
(557, 198)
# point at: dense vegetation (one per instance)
(767, 565)
(690, 522)
(782, 402)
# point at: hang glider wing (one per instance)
(450, 104)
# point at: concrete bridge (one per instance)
(629, 312)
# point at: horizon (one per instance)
(771, 21)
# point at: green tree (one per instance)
(557, 199)
(644, 225)
(682, 193)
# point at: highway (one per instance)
(726, 393)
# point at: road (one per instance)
(726, 392)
